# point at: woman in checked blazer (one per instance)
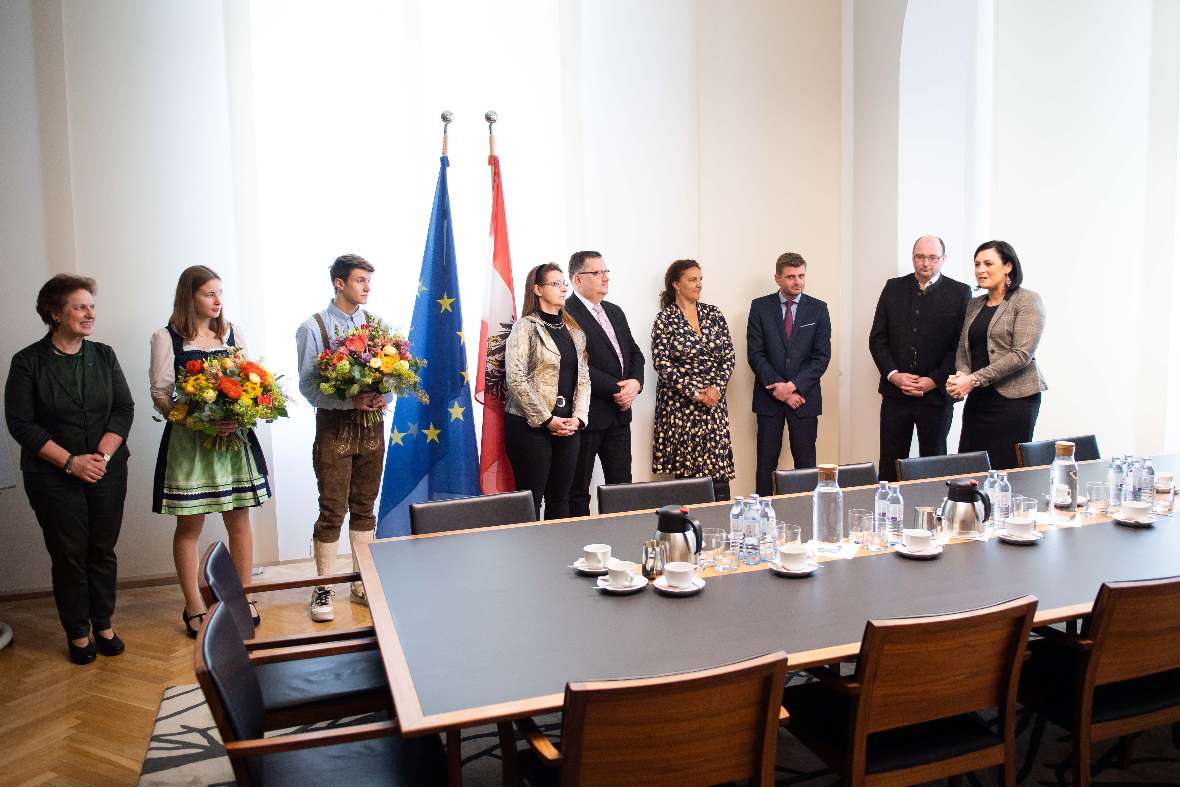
(996, 360)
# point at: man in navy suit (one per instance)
(788, 345)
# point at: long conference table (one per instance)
(479, 626)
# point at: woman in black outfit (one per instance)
(548, 384)
(69, 407)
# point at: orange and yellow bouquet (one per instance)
(370, 359)
(226, 387)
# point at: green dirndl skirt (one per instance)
(193, 479)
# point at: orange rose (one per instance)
(230, 387)
(266, 400)
(195, 367)
(357, 342)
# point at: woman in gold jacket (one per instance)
(548, 383)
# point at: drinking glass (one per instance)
(1165, 496)
(712, 539)
(856, 525)
(726, 558)
(1024, 506)
(875, 532)
(1097, 492)
(788, 533)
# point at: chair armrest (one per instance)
(538, 742)
(835, 681)
(309, 639)
(306, 740)
(297, 652)
(306, 582)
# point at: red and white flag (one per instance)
(495, 473)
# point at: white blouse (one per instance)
(162, 368)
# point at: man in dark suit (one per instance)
(616, 378)
(913, 340)
(788, 345)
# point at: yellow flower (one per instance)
(251, 389)
(388, 350)
(388, 363)
(327, 388)
(254, 378)
(178, 413)
(402, 363)
(375, 363)
(209, 394)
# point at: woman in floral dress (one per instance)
(693, 354)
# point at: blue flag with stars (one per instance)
(431, 453)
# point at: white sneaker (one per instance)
(358, 595)
(321, 604)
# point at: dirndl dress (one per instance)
(193, 479)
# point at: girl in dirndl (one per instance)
(192, 480)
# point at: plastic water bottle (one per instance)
(881, 504)
(896, 514)
(768, 542)
(1063, 482)
(1115, 478)
(827, 512)
(735, 521)
(751, 533)
(1002, 499)
(989, 489)
(1131, 482)
(1147, 482)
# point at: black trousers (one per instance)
(899, 417)
(542, 463)
(995, 424)
(80, 523)
(802, 433)
(612, 447)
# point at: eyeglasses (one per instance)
(559, 284)
(928, 257)
(599, 274)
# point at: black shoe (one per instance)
(109, 647)
(82, 655)
(254, 613)
(190, 620)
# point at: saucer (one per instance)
(661, 584)
(637, 584)
(780, 570)
(1148, 521)
(926, 554)
(580, 566)
(1012, 538)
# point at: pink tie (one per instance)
(600, 315)
(788, 320)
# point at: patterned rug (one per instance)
(186, 749)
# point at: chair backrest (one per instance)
(465, 513)
(913, 670)
(1041, 452)
(915, 467)
(709, 727)
(789, 482)
(218, 581)
(615, 498)
(1135, 627)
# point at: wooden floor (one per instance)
(63, 724)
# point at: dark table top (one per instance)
(476, 626)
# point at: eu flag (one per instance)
(431, 453)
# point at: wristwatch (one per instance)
(105, 456)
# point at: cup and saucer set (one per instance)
(621, 579)
(793, 562)
(1019, 531)
(594, 560)
(918, 544)
(679, 579)
(1134, 513)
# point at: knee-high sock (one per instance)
(325, 557)
(355, 539)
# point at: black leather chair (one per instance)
(366, 753)
(916, 467)
(615, 498)
(299, 691)
(465, 513)
(1041, 452)
(789, 482)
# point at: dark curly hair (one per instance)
(54, 293)
(671, 276)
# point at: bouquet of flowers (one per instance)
(226, 387)
(370, 359)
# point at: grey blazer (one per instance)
(1012, 339)
(531, 365)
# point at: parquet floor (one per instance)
(63, 724)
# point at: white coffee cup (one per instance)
(1163, 482)
(1136, 510)
(678, 574)
(917, 539)
(1019, 526)
(622, 573)
(596, 555)
(793, 557)
(1060, 494)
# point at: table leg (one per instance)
(454, 759)
(509, 775)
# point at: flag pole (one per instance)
(491, 117)
(447, 118)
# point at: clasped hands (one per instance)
(788, 394)
(88, 467)
(563, 427)
(709, 396)
(959, 385)
(912, 384)
(369, 402)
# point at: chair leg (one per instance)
(509, 776)
(1081, 760)
(1006, 774)
(454, 759)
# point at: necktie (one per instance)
(788, 320)
(600, 315)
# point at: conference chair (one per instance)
(465, 513)
(614, 498)
(302, 677)
(1120, 676)
(714, 726)
(917, 467)
(365, 753)
(788, 482)
(909, 712)
(1041, 452)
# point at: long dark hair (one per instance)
(671, 276)
(532, 303)
(184, 310)
(1007, 255)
